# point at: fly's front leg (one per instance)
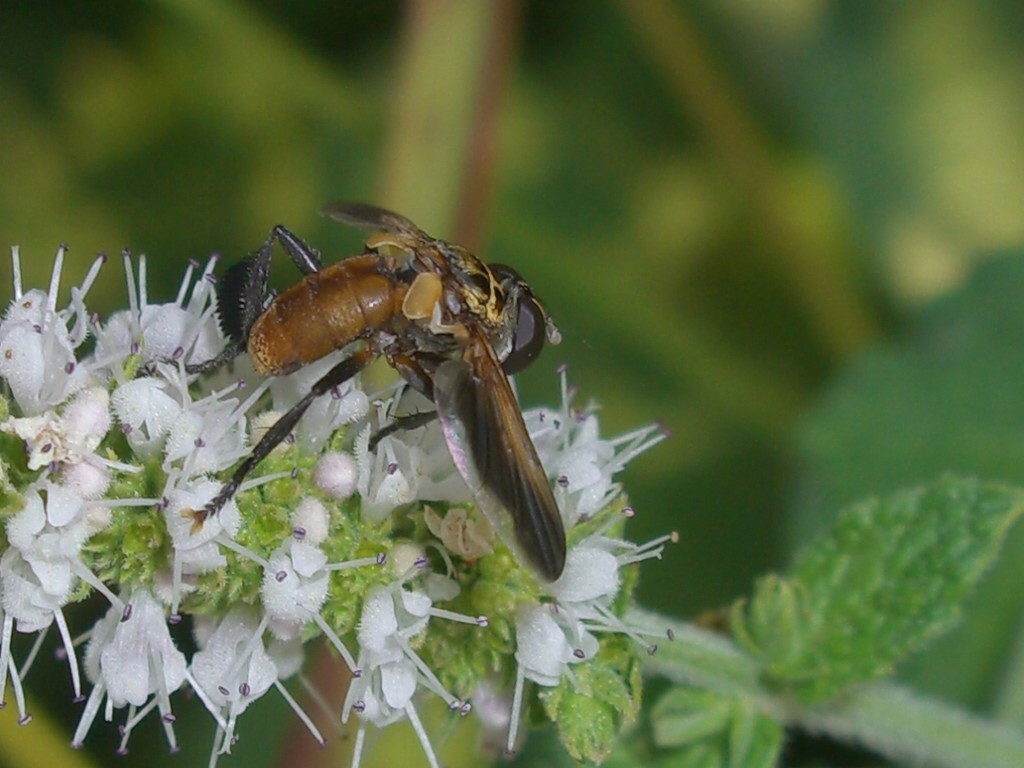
(414, 374)
(335, 377)
(402, 424)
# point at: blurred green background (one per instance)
(722, 203)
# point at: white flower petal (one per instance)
(378, 622)
(163, 331)
(23, 366)
(416, 603)
(398, 683)
(28, 522)
(312, 518)
(307, 559)
(62, 505)
(541, 647)
(289, 596)
(590, 573)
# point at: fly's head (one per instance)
(496, 299)
(525, 325)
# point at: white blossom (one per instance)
(231, 670)
(550, 637)
(404, 465)
(390, 670)
(295, 582)
(40, 568)
(184, 330)
(132, 661)
(234, 668)
(133, 418)
(581, 462)
(39, 343)
(387, 476)
(196, 550)
(8, 669)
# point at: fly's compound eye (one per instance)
(529, 336)
(531, 322)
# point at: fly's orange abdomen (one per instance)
(325, 311)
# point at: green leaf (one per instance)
(891, 575)
(715, 729)
(946, 395)
(906, 727)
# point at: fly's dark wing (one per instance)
(374, 219)
(489, 443)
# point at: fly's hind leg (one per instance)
(242, 294)
(229, 353)
(335, 377)
(306, 258)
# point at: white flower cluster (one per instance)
(127, 425)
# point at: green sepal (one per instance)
(591, 707)
(774, 625)
(714, 730)
(135, 546)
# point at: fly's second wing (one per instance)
(493, 452)
(370, 217)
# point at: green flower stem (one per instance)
(883, 717)
(904, 725)
(698, 657)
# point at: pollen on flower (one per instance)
(464, 535)
(360, 534)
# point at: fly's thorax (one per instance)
(475, 288)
